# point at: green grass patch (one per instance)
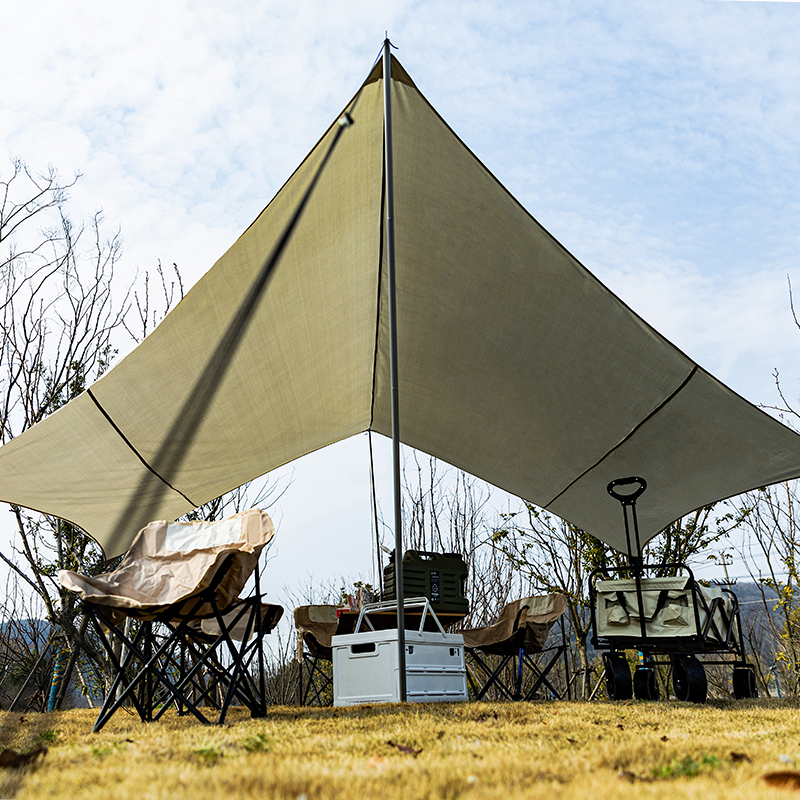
(256, 744)
(687, 767)
(209, 755)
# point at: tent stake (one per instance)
(398, 513)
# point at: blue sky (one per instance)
(659, 142)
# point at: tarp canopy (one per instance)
(515, 363)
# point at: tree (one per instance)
(772, 518)
(60, 308)
(771, 515)
(448, 510)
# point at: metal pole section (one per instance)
(398, 513)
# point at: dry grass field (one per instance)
(469, 750)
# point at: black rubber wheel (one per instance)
(618, 677)
(744, 683)
(689, 679)
(645, 686)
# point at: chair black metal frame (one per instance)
(481, 676)
(316, 680)
(166, 660)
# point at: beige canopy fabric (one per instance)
(168, 563)
(515, 363)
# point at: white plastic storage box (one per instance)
(365, 668)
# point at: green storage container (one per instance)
(441, 577)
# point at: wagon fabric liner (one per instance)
(668, 609)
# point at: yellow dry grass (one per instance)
(470, 750)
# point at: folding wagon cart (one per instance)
(669, 620)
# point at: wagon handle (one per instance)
(627, 498)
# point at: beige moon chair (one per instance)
(172, 621)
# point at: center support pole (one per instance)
(398, 511)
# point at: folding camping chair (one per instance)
(172, 623)
(315, 626)
(520, 633)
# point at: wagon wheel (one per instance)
(645, 686)
(689, 679)
(744, 683)
(618, 677)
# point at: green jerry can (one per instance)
(441, 577)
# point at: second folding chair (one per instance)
(502, 657)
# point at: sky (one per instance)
(659, 142)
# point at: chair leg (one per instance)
(114, 699)
(194, 679)
(262, 678)
(307, 665)
(149, 668)
(250, 692)
(153, 670)
(541, 674)
(317, 681)
(233, 681)
(147, 683)
(238, 670)
(492, 676)
(189, 680)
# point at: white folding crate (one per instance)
(366, 670)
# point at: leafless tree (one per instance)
(61, 310)
(448, 510)
(770, 552)
(151, 310)
(58, 314)
(771, 517)
(762, 639)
